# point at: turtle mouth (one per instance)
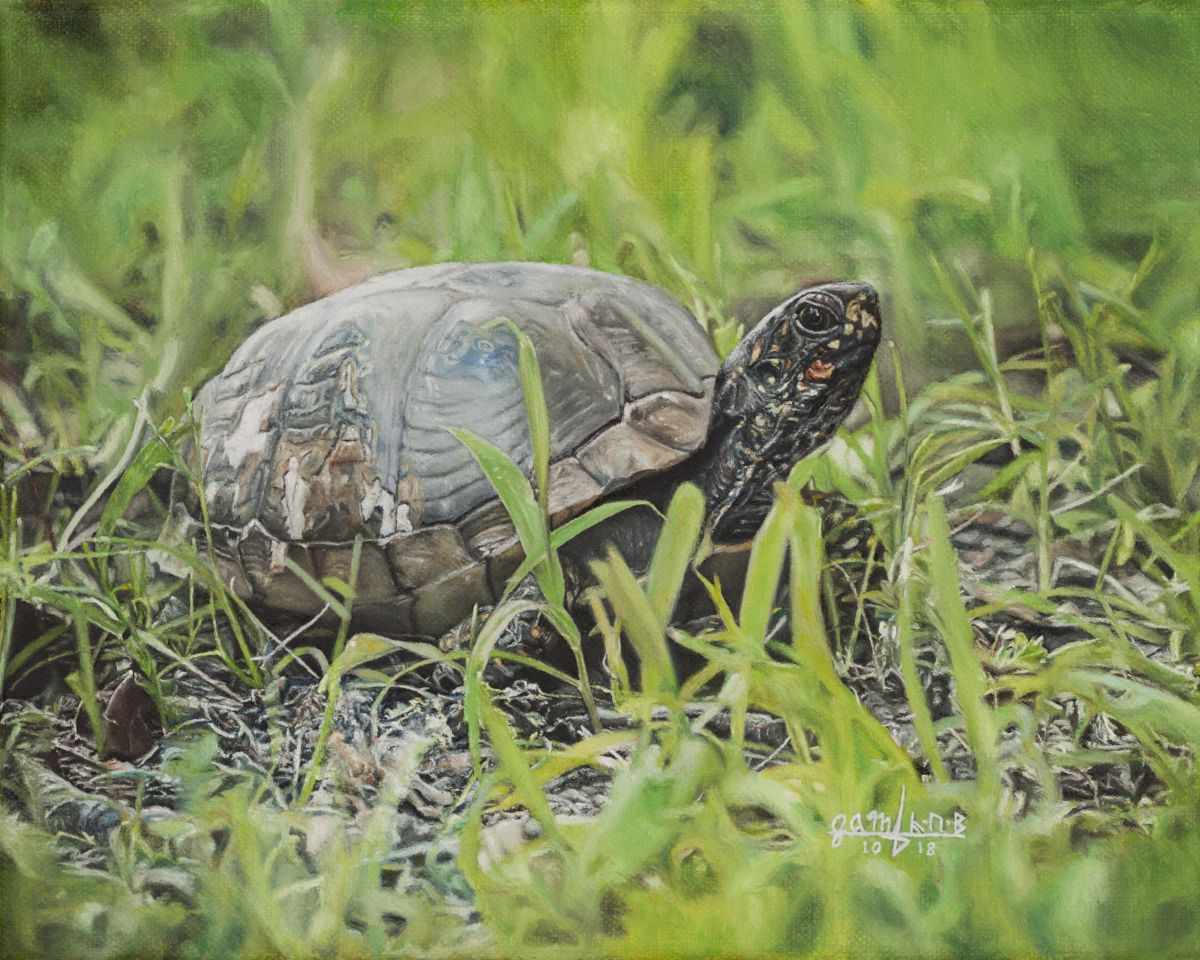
(846, 360)
(859, 354)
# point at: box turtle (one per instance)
(331, 422)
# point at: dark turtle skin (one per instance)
(781, 393)
(331, 423)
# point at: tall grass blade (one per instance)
(535, 407)
(145, 465)
(960, 642)
(514, 768)
(808, 557)
(673, 551)
(641, 623)
(513, 489)
(568, 531)
(340, 610)
(85, 682)
(915, 692)
(332, 681)
(527, 517)
(763, 573)
(481, 650)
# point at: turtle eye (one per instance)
(815, 319)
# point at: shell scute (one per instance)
(331, 423)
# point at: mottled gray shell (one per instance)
(331, 422)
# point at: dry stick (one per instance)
(966, 523)
(774, 753)
(83, 757)
(959, 529)
(282, 646)
(217, 684)
(1088, 498)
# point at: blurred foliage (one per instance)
(174, 172)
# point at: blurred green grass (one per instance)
(174, 172)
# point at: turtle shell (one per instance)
(332, 422)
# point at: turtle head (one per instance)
(781, 393)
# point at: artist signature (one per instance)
(926, 832)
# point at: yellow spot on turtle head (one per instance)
(755, 352)
(854, 308)
(856, 314)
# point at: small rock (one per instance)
(131, 723)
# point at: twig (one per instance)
(188, 665)
(90, 761)
(282, 645)
(966, 523)
(1096, 493)
(774, 753)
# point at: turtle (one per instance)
(331, 423)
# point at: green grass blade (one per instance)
(922, 718)
(565, 624)
(673, 551)
(762, 575)
(535, 407)
(360, 648)
(87, 682)
(529, 519)
(514, 768)
(31, 649)
(27, 465)
(610, 633)
(480, 651)
(513, 489)
(598, 514)
(318, 588)
(808, 558)
(145, 464)
(960, 642)
(801, 473)
(1138, 702)
(641, 623)
(1188, 566)
(332, 679)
